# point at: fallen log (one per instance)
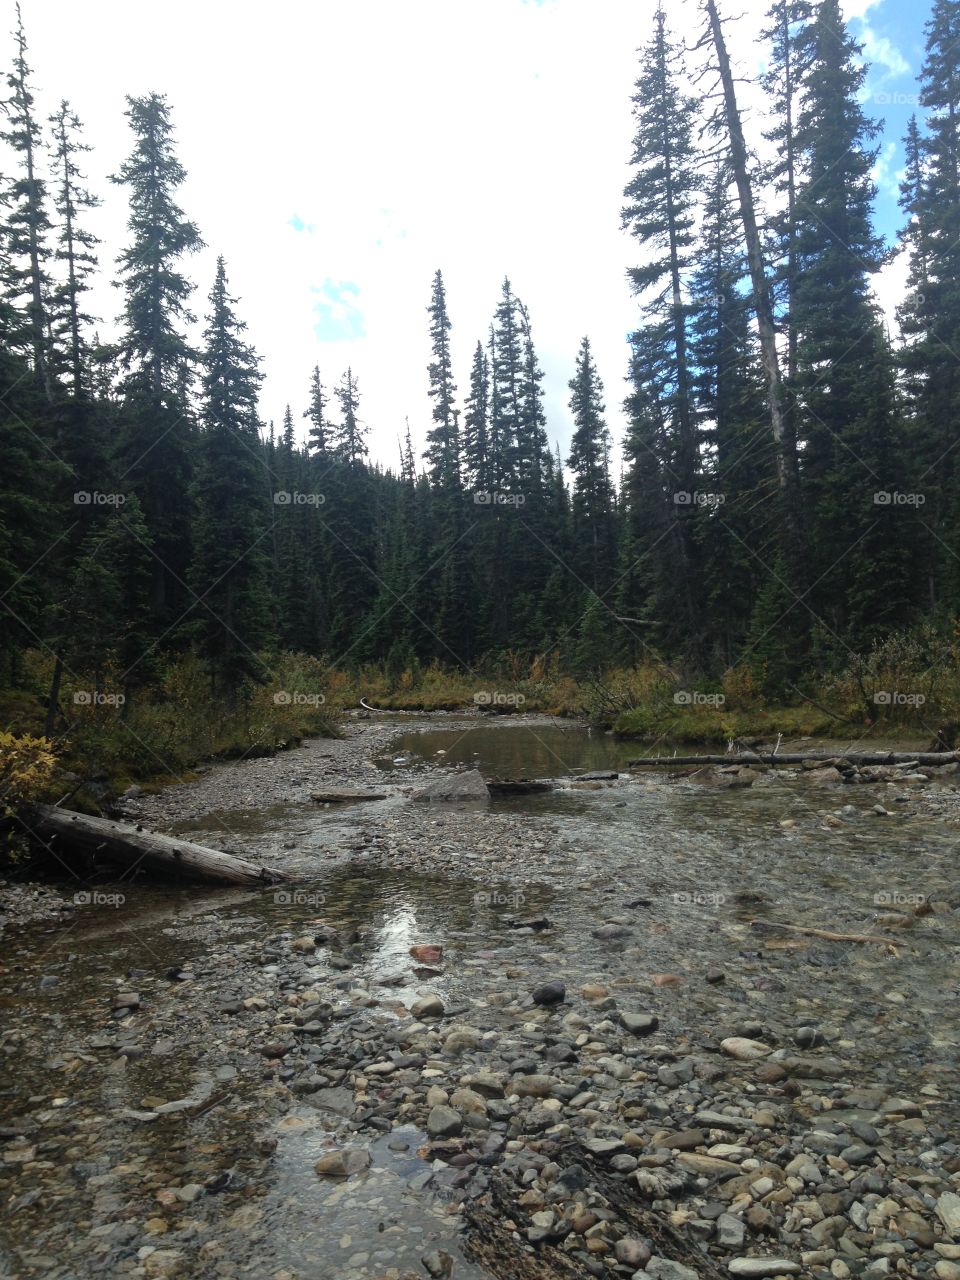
(798, 757)
(828, 934)
(133, 847)
(346, 797)
(518, 786)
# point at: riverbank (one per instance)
(712, 1089)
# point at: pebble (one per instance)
(430, 1006)
(664, 1269)
(444, 1122)
(341, 1164)
(630, 1252)
(947, 1210)
(744, 1049)
(640, 1024)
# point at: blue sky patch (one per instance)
(298, 224)
(338, 318)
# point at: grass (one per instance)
(164, 733)
(904, 689)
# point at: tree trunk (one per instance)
(132, 847)
(787, 470)
(54, 697)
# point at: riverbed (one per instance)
(178, 1133)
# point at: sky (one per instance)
(338, 154)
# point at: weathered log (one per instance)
(133, 847)
(798, 757)
(518, 786)
(346, 797)
(828, 934)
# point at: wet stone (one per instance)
(550, 993)
(444, 1122)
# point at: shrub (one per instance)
(27, 767)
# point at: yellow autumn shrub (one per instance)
(26, 768)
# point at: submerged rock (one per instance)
(468, 785)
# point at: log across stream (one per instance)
(132, 847)
(801, 757)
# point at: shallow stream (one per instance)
(700, 876)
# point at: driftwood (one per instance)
(491, 1240)
(798, 757)
(824, 933)
(133, 847)
(346, 797)
(517, 786)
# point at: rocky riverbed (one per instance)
(563, 1035)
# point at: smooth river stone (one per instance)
(744, 1050)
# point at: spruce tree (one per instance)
(930, 314)
(782, 81)
(319, 434)
(230, 617)
(840, 347)
(27, 224)
(738, 525)
(476, 423)
(443, 447)
(593, 516)
(660, 214)
(157, 292)
(76, 246)
(350, 432)
(154, 448)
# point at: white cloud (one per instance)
(886, 176)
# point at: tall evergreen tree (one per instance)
(230, 618)
(443, 447)
(319, 435)
(154, 449)
(350, 432)
(737, 525)
(930, 313)
(840, 347)
(660, 214)
(476, 422)
(154, 347)
(76, 247)
(27, 223)
(788, 21)
(593, 514)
